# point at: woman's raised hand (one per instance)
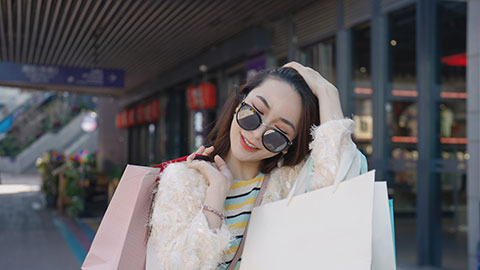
(219, 178)
(327, 93)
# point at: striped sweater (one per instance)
(238, 207)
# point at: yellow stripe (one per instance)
(238, 225)
(231, 250)
(240, 205)
(246, 183)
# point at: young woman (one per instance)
(279, 119)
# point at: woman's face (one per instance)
(279, 106)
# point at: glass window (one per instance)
(402, 48)
(321, 57)
(143, 154)
(362, 88)
(134, 145)
(402, 127)
(452, 133)
(176, 125)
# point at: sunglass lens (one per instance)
(247, 118)
(274, 141)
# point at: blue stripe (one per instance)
(364, 166)
(242, 218)
(237, 266)
(235, 242)
(242, 199)
(87, 230)
(77, 249)
(390, 202)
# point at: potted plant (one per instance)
(49, 181)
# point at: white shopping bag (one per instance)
(383, 257)
(329, 228)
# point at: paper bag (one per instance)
(329, 228)
(383, 251)
(120, 242)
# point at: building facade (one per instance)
(408, 74)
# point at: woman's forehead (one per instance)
(276, 92)
(280, 98)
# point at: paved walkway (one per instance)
(30, 235)
(34, 237)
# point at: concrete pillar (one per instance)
(429, 212)
(344, 63)
(112, 142)
(379, 62)
(473, 129)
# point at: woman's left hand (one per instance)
(327, 93)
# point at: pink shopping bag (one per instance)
(120, 242)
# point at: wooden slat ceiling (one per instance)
(145, 38)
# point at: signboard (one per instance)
(201, 97)
(141, 114)
(58, 75)
(255, 65)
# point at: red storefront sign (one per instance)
(147, 113)
(141, 114)
(131, 121)
(121, 120)
(155, 109)
(203, 96)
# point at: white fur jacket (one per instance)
(180, 236)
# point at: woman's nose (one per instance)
(258, 132)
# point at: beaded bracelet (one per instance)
(211, 210)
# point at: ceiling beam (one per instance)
(248, 43)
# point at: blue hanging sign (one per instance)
(58, 75)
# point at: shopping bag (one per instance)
(120, 242)
(329, 228)
(383, 246)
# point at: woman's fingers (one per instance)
(222, 166)
(294, 65)
(208, 151)
(317, 83)
(202, 167)
(190, 157)
(219, 176)
(204, 151)
(200, 150)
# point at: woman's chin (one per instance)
(243, 155)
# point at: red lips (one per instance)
(245, 146)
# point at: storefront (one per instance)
(394, 111)
(400, 67)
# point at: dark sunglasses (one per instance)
(273, 139)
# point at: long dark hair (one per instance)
(219, 137)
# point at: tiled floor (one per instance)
(33, 237)
(454, 250)
(29, 239)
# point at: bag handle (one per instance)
(346, 161)
(258, 201)
(302, 183)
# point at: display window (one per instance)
(402, 123)
(452, 133)
(362, 88)
(321, 57)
